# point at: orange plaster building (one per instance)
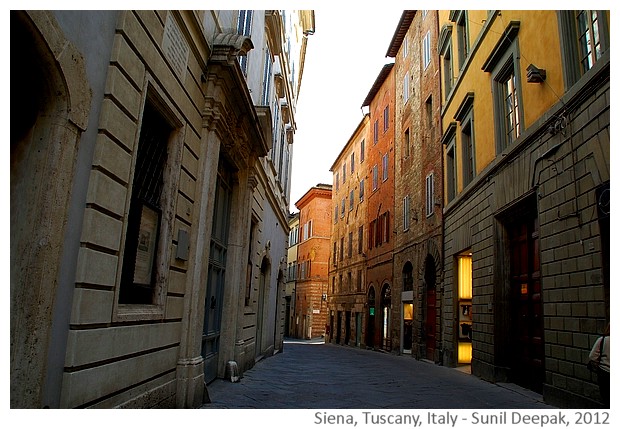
(312, 262)
(347, 289)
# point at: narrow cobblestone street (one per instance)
(314, 375)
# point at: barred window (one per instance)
(145, 211)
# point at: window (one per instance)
(309, 228)
(406, 144)
(507, 84)
(360, 239)
(371, 233)
(335, 258)
(375, 177)
(351, 199)
(428, 107)
(359, 280)
(429, 122)
(430, 195)
(281, 156)
(293, 236)
(361, 190)
(406, 213)
(445, 51)
(267, 78)
(244, 27)
(406, 88)
(447, 69)
(336, 214)
(376, 131)
(464, 115)
(385, 167)
(584, 38)
(424, 12)
(362, 150)
(386, 118)
(386, 227)
(426, 49)
(274, 142)
(349, 281)
(449, 141)
(352, 162)
(304, 268)
(589, 39)
(342, 208)
(462, 36)
(451, 171)
(350, 244)
(405, 48)
(342, 248)
(408, 277)
(467, 143)
(344, 173)
(502, 63)
(337, 180)
(139, 271)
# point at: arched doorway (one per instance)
(49, 112)
(370, 322)
(430, 322)
(386, 315)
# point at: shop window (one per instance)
(464, 279)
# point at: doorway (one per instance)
(263, 284)
(338, 326)
(217, 271)
(347, 327)
(386, 314)
(370, 323)
(526, 312)
(430, 323)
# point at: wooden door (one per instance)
(526, 311)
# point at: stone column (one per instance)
(190, 370)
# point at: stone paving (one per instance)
(314, 375)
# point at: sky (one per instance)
(343, 59)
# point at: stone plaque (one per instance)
(175, 46)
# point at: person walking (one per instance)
(600, 354)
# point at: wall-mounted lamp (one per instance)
(536, 75)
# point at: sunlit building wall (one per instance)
(525, 132)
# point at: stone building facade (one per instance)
(380, 329)
(418, 189)
(527, 198)
(347, 267)
(312, 262)
(291, 277)
(120, 292)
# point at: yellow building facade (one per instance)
(525, 133)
